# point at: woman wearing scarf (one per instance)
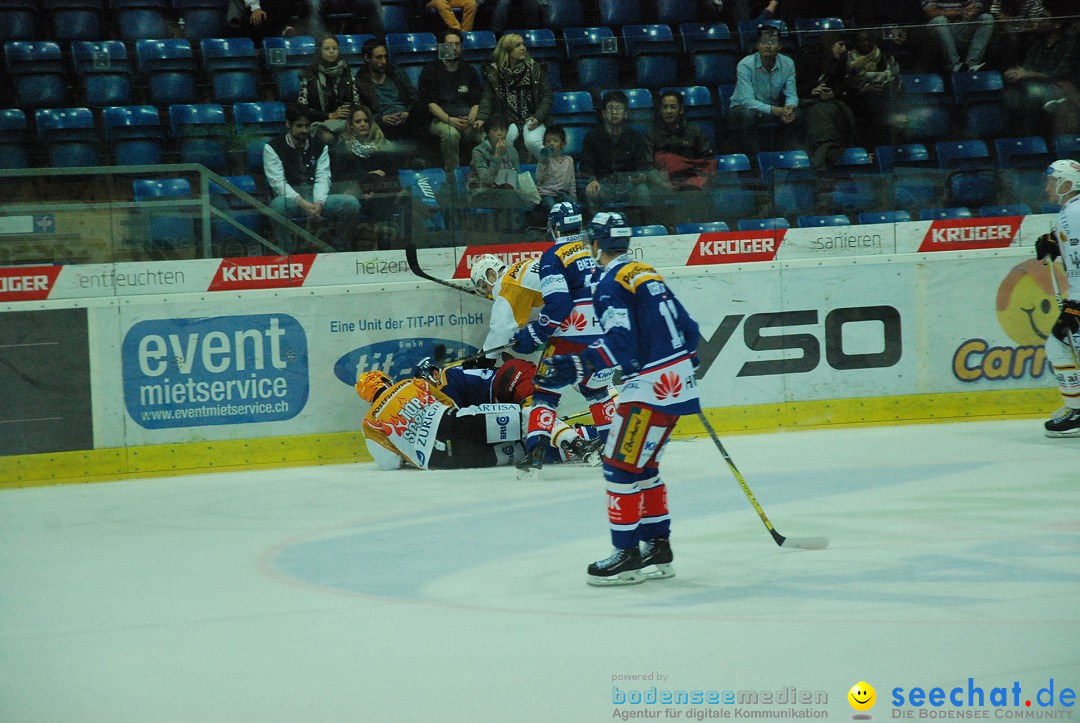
(327, 90)
(364, 164)
(516, 87)
(821, 80)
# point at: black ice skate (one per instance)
(588, 451)
(622, 567)
(1066, 423)
(530, 467)
(656, 559)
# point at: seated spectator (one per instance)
(823, 88)
(451, 91)
(1013, 21)
(526, 14)
(873, 75)
(385, 89)
(445, 9)
(615, 160)
(495, 179)
(961, 25)
(517, 88)
(327, 90)
(682, 152)
(764, 95)
(556, 179)
(297, 170)
(363, 164)
(266, 18)
(1041, 88)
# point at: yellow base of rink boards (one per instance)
(348, 447)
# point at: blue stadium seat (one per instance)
(855, 161)
(1023, 163)
(938, 214)
(714, 54)
(706, 38)
(639, 109)
(808, 30)
(1015, 209)
(76, 19)
(963, 154)
(133, 134)
(973, 179)
(790, 161)
(14, 139)
(70, 136)
(822, 221)
(18, 20)
(411, 52)
(915, 181)
(395, 15)
(763, 224)
(708, 227)
(286, 58)
(855, 194)
(203, 18)
(654, 229)
(561, 14)
(733, 197)
(477, 47)
(924, 112)
(616, 13)
(723, 98)
(239, 210)
(424, 186)
(232, 67)
(676, 12)
(170, 67)
(788, 176)
(351, 48)
(594, 54)
(104, 72)
(905, 155)
(140, 19)
(748, 32)
(165, 229)
(38, 73)
(574, 111)
(200, 132)
(257, 123)
(699, 107)
(884, 217)
(653, 53)
(716, 68)
(1067, 146)
(978, 95)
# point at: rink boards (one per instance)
(154, 368)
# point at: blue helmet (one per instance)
(565, 217)
(610, 231)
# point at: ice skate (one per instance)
(656, 559)
(1065, 423)
(530, 467)
(588, 451)
(622, 567)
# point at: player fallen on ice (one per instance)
(650, 336)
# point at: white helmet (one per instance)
(1065, 170)
(481, 266)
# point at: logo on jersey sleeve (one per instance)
(635, 273)
(575, 321)
(669, 386)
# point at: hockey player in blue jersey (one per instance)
(566, 325)
(650, 336)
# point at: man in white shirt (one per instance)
(764, 93)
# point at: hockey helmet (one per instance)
(370, 384)
(1065, 170)
(479, 273)
(564, 217)
(429, 371)
(610, 231)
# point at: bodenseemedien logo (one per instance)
(862, 697)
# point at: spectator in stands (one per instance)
(735, 11)
(364, 164)
(495, 179)
(327, 90)
(385, 89)
(615, 160)
(1013, 21)
(764, 94)
(682, 152)
(1043, 82)
(961, 25)
(370, 14)
(822, 84)
(451, 91)
(526, 14)
(556, 179)
(517, 87)
(873, 76)
(297, 169)
(445, 9)
(267, 18)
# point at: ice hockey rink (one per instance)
(345, 593)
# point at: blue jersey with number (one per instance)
(468, 387)
(648, 334)
(566, 268)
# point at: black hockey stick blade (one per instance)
(414, 266)
(800, 543)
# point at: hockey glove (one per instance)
(561, 371)
(526, 341)
(482, 362)
(1068, 323)
(1047, 245)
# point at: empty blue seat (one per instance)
(239, 210)
(963, 154)
(18, 20)
(654, 54)
(424, 186)
(822, 221)
(560, 14)
(616, 13)
(924, 112)
(733, 198)
(351, 47)
(141, 18)
(808, 30)
(854, 194)
(676, 12)
(76, 19)
(411, 52)
(714, 54)
(938, 214)
(972, 180)
(639, 108)
(594, 54)
(286, 58)
(789, 161)
(978, 95)
(165, 228)
(38, 73)
(477, 47)
(133, 134)
(708, 227)
(762, 224)
(654, 229)
(1015, 209)
(14, 139)
(855, 160)
(104, 71)
(200, 133)
(203, 18)
(1067, 146)
(170, 67)
(914, 182)
(232, 67)
(395, 15)
(787, 173)
(256, 124)
(70, 136)
(575, 112)
(904, 155)
(748, 31)
(1023, 162)
(884, 217)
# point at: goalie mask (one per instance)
(1064, 171)
(370, 384)
(483, 280)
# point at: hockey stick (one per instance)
(414, 266)
(1061, 305)
(798, 543)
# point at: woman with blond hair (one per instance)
(364, 164)
(516, 87)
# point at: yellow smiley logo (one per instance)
(862, 696)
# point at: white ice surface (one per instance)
(349, 593)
